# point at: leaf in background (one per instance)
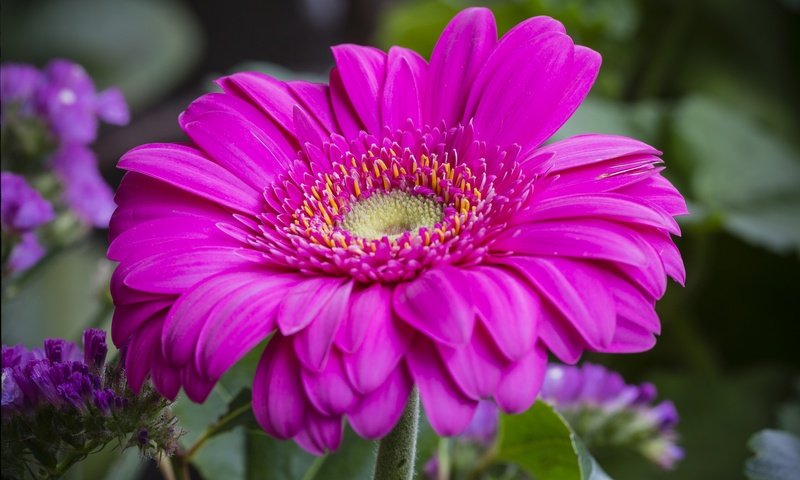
(541, 442)
(145, 47)
(223, 457)
(741, 172)
(270, 459)
(777, 456)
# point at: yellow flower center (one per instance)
(391, 214)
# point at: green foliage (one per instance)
(542, 443)
(777, 456)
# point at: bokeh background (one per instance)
(712, 83)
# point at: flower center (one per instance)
(391, 214)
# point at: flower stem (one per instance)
(397, 451)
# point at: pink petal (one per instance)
(194, 308)
(239, 324)
(582, 150)
(346, 116)
(279, 402)
(239, 147)
(385, 342)
(363, 71)
(176, 271)
(610, 206)
(187, 169)
(477, 366)
(142, 351)
(313, 343)
(446, 406)
(458, 56)
(271, 96)
(378, 411)
(308, 300)
(405, 85)
(508, 308)
(584, 238)
(129, 318)
(630, 338)
(315, 100)
(196, 385)
(370, 304)
(419, 303)
(321, 434)
(574, 288)
(560, 337)
(329, 390)
(522, 381)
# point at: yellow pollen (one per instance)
(391, 214)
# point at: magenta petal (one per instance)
(238, 146)
(315, 100)
(522, 382)
(175, 271)
(528, 82)
(279, 402)
(560, 337)
(446, 406)
(329, 390)
(321, 434)
(142, 351)
(582, 150)
(611, 206)
(508, 308)
(420, 304)
(378, 411)
(630, 337)
(368, 305)
(239, 323)
(193, 309)
(272, 96)
(346, 116)
(477, 366)
(187, 169)
(309, 299)
(386, 341)
(196, 386)
(405, 84)
(363, 71)
(129, 318)
(584, 238)
(576, 291)
(458, 56)
(313, 343)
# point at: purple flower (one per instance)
(26, 253)
(22, 207)
(61, 375)
(72, 106)
(594, 391)
(85, 191)
(18, 85)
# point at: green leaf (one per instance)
(223, 456)
(741, 172)
(777, 456)
(541, 442)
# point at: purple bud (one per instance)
(143, 437)
(647, 393)
(94, 348)
(665, 415)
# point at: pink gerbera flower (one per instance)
(402, 226)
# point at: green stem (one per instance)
(397, 451)
(180, 467)
(444, 459)
(74, 458)
(214, 428)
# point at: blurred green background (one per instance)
(712, 83)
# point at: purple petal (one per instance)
(378, 411)
(314, 342)
(85, 191)
(363, 71)
(420, 304)
(365, 305)
(405, 84)
(308, 300)
(22, 207)
(522, 382)
(446, 406)
(187, 169)
(279, 402)
(508, 308)
(26, 253)
(111, 107)
(458, 56)
(329, 390)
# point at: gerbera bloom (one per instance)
(402, 226)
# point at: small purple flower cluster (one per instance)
(60, 375)
(48, 118)
(603, 409)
